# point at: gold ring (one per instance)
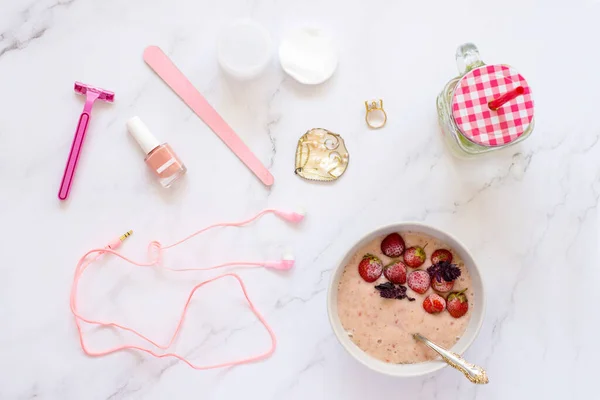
(374, 107)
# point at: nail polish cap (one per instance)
(142, 134)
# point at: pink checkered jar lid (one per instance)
(483, 123)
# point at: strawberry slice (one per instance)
(434, 303)
(392, 245)
(418, 281)
(370, 268)
(414, 256)
(441, 255)
(457, 304)
(395, 272)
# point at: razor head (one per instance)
(105, 95)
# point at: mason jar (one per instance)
(485, 108)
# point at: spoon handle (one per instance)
(473, 372)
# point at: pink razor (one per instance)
(91, 95)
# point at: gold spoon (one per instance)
(473, 372)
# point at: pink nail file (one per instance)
(164, 68)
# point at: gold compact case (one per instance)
(321, 155)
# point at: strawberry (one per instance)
(457, 304)
(443, 286)
(441, 255)
(419, 281)
(370, 268)
(392, 245)
(395, 272)
(434, 303)
(414, 256)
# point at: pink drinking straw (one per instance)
(495, 104)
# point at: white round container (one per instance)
(244, 49)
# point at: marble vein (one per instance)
(500, 321)
(500, 179)
(21, 44)
(317, 359)
(37, 32)
(286, 300)
(124, 390)
(273, 140)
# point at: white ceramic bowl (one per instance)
(408, 370)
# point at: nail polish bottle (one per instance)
(160, 158)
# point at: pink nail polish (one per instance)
(160, 158)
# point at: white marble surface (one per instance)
(529, 214)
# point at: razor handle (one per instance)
(67, 179)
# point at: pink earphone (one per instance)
(287, 262)
(155, 252)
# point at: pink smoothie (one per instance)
(383, 328)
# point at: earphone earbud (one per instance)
(292, 216)
(287, 262)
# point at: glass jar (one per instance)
(463, 142)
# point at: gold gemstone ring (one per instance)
(373, 108)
